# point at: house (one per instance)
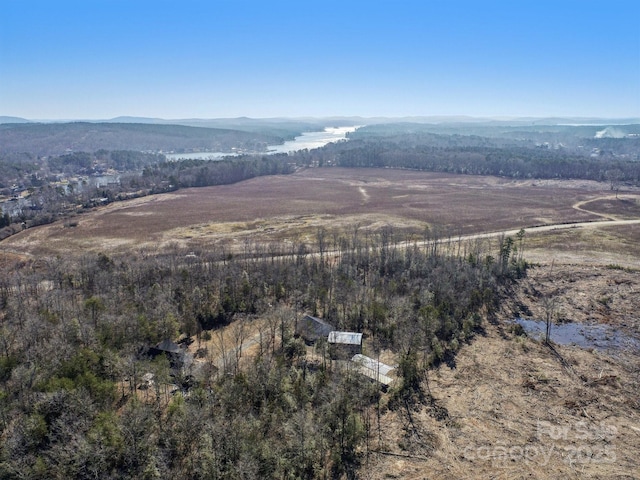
(373, 369)
(344, 345)
(172, 351)
(311, 329)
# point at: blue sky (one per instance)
(92, 59)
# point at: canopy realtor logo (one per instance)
(577, 443)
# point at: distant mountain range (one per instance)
(5, 119)
(317, 123)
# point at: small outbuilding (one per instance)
(311, 329)
(373, 369)
(344, 345)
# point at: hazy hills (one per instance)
(315, 123)
(19, 135)
(58, 138)
(6, 119)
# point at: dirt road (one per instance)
(549, 228)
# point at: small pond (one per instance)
(600, 337)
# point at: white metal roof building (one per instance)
(345, 338)
(343, 345)
(371, 363)
(373, 369)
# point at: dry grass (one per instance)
(516, 409)
(625, 206)
(506, 395)
(293, 207)
(592, 246)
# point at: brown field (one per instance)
(293, 207)
(622, 207)
(605, 245)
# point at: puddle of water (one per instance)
(600, 337)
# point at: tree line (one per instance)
(202, 173)
(52, 139)
(472, 155)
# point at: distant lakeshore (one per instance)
(306, 141)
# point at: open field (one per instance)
(293, 207)
(604, 245)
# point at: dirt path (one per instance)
(609, 221)
(578, 205)
(365, 195)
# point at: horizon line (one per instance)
(441, 117)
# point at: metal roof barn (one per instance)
(345, 338)
(343, 345)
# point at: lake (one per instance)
(308, 140)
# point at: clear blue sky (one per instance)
(62, 59)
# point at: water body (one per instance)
(310, 140)
(306, 141)
(600, 337)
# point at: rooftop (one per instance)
(371, 364)
(347, 338)
(373, 369)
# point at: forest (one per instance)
(47, 139)
(76, 335)
(552, 152)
